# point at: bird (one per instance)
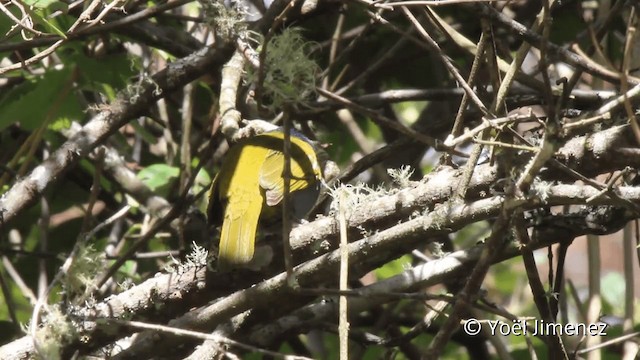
(249, 189)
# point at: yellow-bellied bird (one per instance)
(250, 187)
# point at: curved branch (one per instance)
(128, 106)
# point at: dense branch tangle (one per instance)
(174, 291)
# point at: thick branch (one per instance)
(169, 290)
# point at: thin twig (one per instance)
(536, 40)
(629, 280)
(231, 75)
(8, 299)
(17, 279)
(629, 48)
(19, 22)
(200, 335)
(382, 120)
(604, 112)
(375, 65)
(447, 62)
(539, 294)
(433, 2)
(337, 33)
(489, 124)
(286, 202)
(594, 302)
(614, 341)
(185, 152)
(343, 322)
(475, 66)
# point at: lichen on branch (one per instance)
(288, 76)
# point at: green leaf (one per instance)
(104, 74)
(60, 123)
(613, 289)
(39, 18)
(40, 4)
(203, 179)
(31, 103)
(128, 268)
(6, 24)
(158, 175)
(144, 133)
(393, 267)
(506, 275)
(409, 112)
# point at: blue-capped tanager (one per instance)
(250, 187)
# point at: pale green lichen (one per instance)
(197, 258)
(133, 92)
(54, 332)
(79, 280)
(353, 195)
(401, 176)
(542, 189)
(289, 73)
(436, 249)
(438, 217)
(226, 21)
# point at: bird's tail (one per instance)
(238, 236)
